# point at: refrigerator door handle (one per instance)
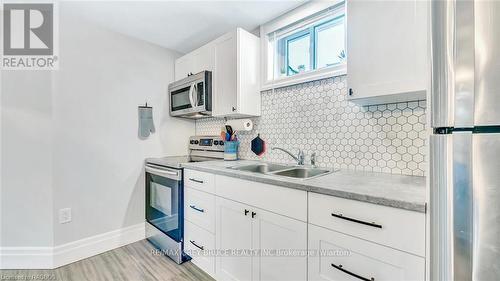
(453, 65)
(440, 199)
(442, 55)
(463, 196)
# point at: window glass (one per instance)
(330, 43)
(298, 54)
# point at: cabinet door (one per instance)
(339, 257)
(199, 244)
(199, 208)
(282, 244)
(204, 59)
(183, 66)
(225, 81)
(387, 50)
(234, 235)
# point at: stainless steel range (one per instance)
(165, 194)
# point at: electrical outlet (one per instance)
(65, 215)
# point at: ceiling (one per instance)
(180, 25)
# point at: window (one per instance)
(297, 54)
(305, 45)
(329, 43)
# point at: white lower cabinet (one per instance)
(199, 208)
(341, 257)
(200, 245)
(282, 243)
(260, 245)
(241, 230)
(234, 235)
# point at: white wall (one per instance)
(98, 158)
(69, 139)
(26, 156)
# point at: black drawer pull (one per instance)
(253, 214)
(339, 267)
(197, 246)
(195, 180)
(372, 224)
(246, 212)
(197, 209)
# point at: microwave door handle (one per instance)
(191, 95)
(195, 94)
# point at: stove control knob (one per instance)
(196, 142)
(191, 142)
(216, 142)
(221, 143)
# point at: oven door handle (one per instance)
(163, 173)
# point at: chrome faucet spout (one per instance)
(299, 158)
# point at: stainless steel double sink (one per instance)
(298, 172)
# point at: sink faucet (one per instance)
(299, 158)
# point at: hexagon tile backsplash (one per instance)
(316, 117)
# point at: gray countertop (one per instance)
(398, 191)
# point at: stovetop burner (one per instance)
(201, 148)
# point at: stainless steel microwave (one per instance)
(191, 97)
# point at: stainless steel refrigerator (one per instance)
(465, 145)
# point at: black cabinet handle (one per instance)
(372, 224)
(234, 108)
(253, 214)
(340, 267)
(196, 245)
(197, 209)
(246, 212)
(195, 180)
(351, 92)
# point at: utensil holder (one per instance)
(231, 150)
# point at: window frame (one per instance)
(307, 16)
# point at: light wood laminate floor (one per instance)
(134, 262)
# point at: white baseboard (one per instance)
(26, 257)
(98, 244)
(49, 258)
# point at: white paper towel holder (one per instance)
(240, 124)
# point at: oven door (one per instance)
(164, 200)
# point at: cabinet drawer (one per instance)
(199, 180)
(200, 244)
(342, 257)
(281, 200)
(199, 208)
(401, 229)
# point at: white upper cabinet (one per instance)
(387, 52)
(183, 66)
(198, 60)
(234, 60)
